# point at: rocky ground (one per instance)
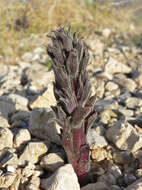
(31, 154)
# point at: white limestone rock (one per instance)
(64, 178)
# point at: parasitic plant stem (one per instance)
(75, 105)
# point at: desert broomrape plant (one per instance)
(75, 106)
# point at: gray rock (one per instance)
(115, 187)
(129, 179)
(38, 78)
(96, 186)
(114, 170)
(42, 125)
(18, 101)
(122, 157)
(107, 178)
(6, 138)
(10, 80)
(124, 136)
(32, 152)
(113, 66)
(106, 103)
(6, 108)
(64, 178)
(137, 185)
(138, 156)
(127, 83)
(20, 119)
(123, 97)
(52, 162)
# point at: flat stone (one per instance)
(64, 178)
(6, 138)
(42, 125)
(113, 66)
(32, 152)
(52, 162)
